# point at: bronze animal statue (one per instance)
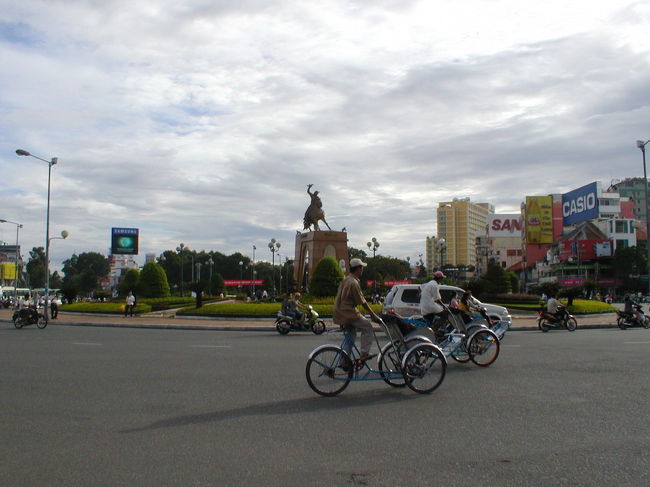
(315, 211)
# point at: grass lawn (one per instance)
(254, 309)
(580, 306)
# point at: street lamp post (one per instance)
(210, 262)
(198, 271)
(50, 163)
(18, 227)
(441, 244)
(241, 273)
(641, 145)
(273, 247)
(374, 245)
(64, 235)
(180, 249)
(253, 274)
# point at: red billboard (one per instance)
(243, 282)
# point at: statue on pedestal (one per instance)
(315, 211)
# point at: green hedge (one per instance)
(580, 306)
(510, 298)
(107, 308)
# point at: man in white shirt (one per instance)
(431, 306)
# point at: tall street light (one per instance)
(210, 262)
(241, 273)
(50, 163)
(442, 245)
(180, 249)
(273, 247)
(641, 145)
(374, 245)
(18, 227)
(253, 274)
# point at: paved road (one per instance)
(108, 406)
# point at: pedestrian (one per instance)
(346, 314)
(130, 304)
(54, 307)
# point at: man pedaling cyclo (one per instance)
(348, 297)
(432, 308)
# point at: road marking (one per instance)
(88, 344)
(211, 346)
(635, 343)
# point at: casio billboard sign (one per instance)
(580, 204)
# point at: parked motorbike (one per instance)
(626, 320)
(284, 324)
(564, 320)
(29, 316)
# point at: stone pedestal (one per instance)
(311, 247)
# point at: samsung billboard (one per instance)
(580, 204)
(124, 241)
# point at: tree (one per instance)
(130, 282)
(497, 280)
(326, 278)
(152, 281)
(217, 284)
(629, 261)
(90, 266)
(36, 267)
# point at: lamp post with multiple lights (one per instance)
(641, 145)
(274, 247)
(180, 249)
(50, 163)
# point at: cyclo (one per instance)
(478, 343)
(414, 361)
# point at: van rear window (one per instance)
(411, 295)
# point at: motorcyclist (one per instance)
(554, 307)
(292, 307)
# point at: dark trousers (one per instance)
(54, 311)
(128, 309)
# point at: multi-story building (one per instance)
(633, 188)
(460, 222)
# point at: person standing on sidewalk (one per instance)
(130, 304)
(348, 297)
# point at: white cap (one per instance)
(356, 263)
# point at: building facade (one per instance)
(460, 222)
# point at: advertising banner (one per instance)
(587, 249)
(243, 282)
(580, 204)
(539, 219)
(124, 241)
(7, 271)
(504, 225)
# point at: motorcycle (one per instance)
(284, 324)
(548, 321)
(625, 320)
(29, 316)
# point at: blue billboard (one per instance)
(124, 241)
(580, 204)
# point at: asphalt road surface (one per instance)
(84, 406)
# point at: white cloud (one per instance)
(203, 122)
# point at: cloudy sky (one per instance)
(202, 122)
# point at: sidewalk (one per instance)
(156, 320)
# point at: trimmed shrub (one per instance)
(326, 278)
(152, 281)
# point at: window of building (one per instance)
(621, 226)
(622, 244)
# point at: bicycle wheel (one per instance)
(390, 367)
(571, 324)
(324, 371)
(541, 324)
(424, 368)
(42, 321)
(483, 348)
(318, 327)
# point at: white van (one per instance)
(404, 299)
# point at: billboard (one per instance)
(580, 204)
(124, 241)
(504, 225)
(539, 219)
